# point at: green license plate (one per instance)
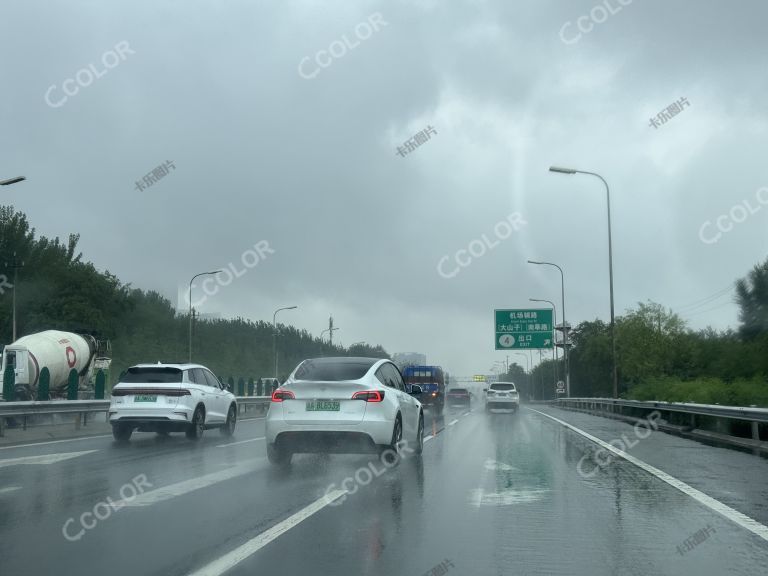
(323, 406)
(144, 398)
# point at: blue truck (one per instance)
(432, 380)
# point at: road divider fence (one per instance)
(736, 425)
(77, 412)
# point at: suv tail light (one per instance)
(369, 395)
(151, 391)
(280, 395)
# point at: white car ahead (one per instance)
(343, 405)
(502, 395)
(167, 398)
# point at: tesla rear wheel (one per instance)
(278, 456)
(196, 428)
(229, 427)
(420, 435)
(392, 450)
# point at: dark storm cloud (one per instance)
(262, 153)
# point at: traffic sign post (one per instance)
(560, 387)
(523, 329)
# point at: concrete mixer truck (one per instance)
(59, 352)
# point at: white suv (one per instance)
(167, 398)
(502, 395)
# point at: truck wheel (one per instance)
(278, 456)
(196, 428)
(122, 432)
(229, 427)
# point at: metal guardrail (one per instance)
(688, 415)
(82, 408)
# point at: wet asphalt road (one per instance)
(492, 494)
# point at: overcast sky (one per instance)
(306, 159)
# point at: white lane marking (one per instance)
(253, 545)
(452, 423)
(54, 442)
(43, 459)
(491, 464)
(428, 438)
(186, 486)
(9, 489)
(723, 509)
(508, 497)
(240, 442)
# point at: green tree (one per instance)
(752, 298)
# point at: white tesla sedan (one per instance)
(343, 405)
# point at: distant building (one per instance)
(409, 359)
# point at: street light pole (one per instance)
(610, 267)
(554, 347)
(528, 365)
(15, 265)
(274, 332)
(190, 307)
(565, 325)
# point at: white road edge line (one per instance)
(715, 505)
(428, 438)
(33, 444)
(452, 423)
(231, 559)
(240, 442)
(9, 489)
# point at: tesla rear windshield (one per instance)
(331, 371)
(153, 375)
(502, 386)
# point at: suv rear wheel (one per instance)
(229, 427)
(196, 428)
(122, 432)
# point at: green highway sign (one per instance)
(523, 328)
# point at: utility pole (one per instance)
(330, 330)
(15, 265)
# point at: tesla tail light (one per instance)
(369, 395)
(280, 395)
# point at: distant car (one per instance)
(459, 397)
(343, 405)
(166, 398)
(502, 395)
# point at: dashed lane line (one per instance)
(240, 442)
(43, 459)
(231, 559)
